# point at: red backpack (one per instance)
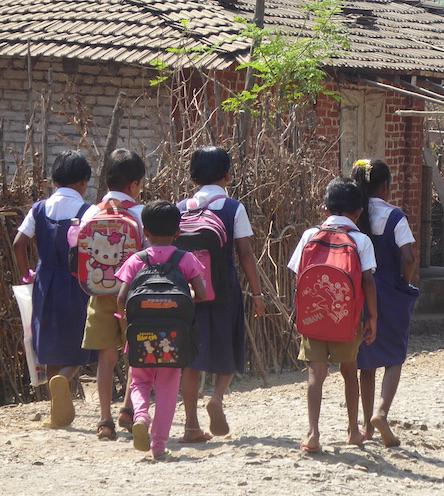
(329, 297)
(203, 233)
(104, 242)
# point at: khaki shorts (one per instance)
(312, 350)
(102, 329)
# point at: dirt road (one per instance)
(261, 456)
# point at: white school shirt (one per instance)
(379, 211)
(242, 225)
(63, 204)
(135, 211)
(363, 243)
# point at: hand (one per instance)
(370, 327)
(29, 278)
(258, 306)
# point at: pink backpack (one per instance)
(104, 243)
(203, 233)
(329, 296)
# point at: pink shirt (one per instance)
(189, 265)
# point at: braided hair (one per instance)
(369, 176)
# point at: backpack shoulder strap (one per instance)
(143, 255)
(82, 210)
(175, 258)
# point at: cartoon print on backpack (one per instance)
(329, 298)
(107, 253)
(167, 349)
(150, 357)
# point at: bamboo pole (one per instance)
(390, 87)
(30, 108)
(3, 169)
(419, 113)
(46, 109)
(111, 142)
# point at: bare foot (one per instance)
(380, 422)
(195, 435)
(356, 438)
(218, 421)
(311, 443)
(369, 430)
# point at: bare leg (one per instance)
(317, 372)
(350, 374)
(379, 420)
(367, 380)
(126, 412)
(105, 373)
(218, 421)
(190, 394)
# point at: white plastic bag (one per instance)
(23, 295)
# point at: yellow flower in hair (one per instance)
(365, 164)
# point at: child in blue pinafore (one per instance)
(59, 305)
(393, 240)
(220, 325)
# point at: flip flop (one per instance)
(126, 419)
(165, 456)
(218, 422)
(102, 434)
(203, 437)
(310, 449)
(141, 437)
(62, 407)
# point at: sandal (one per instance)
(106, 430)
(126, 418)
(62, 407)
(218, 422)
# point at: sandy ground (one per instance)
(260, 456)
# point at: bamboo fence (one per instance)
(279, 173)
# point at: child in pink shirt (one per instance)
(161, 225)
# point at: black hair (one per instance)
(343, 196)
(161, 218)
(209, 164)
(369, 175)
(70, 167)
(125, 167)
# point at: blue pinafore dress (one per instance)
(59, 304)
(221, 341)
(396, 301)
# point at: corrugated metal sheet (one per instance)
(384, 34)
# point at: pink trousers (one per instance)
(165, 382)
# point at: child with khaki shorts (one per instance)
(344, 203)
(102, 331)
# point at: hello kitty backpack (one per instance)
(104, 242)
(329, 297)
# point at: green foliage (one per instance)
(291, 69)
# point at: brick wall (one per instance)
(404, 139)
(92, 86)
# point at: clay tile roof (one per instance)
(385, 35)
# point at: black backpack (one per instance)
(160, 315)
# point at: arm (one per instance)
(248, 264)
(369, 288)
(199, 288)
(20, 246)
(408, 262)
(121, 303)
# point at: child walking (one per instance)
(59, 305)
(220, 324)
(124, 180)
(344, 203)
(161, 225)
(393, 240)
